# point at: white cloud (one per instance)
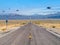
(39, 11)
(33, 11)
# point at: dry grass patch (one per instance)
(55, 24)
(12, 24)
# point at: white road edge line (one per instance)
(10, 32)
(53, 32)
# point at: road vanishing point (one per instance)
(30, 34)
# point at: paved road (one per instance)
(43, 37)
(39, 36)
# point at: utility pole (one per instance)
(6, 24)
(30, 19)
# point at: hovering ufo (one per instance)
(48, 7)
(17, 10)
(3, 11)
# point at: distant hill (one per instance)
(12, 17)
(54, 16)
(35, 16)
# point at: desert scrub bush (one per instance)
(23, 23)
(53, 26)
(3, 29)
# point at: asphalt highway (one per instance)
(38, 36)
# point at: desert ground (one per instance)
(11, 24)
(53, 25)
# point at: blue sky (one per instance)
(29, 6)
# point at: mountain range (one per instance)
(23, 17)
